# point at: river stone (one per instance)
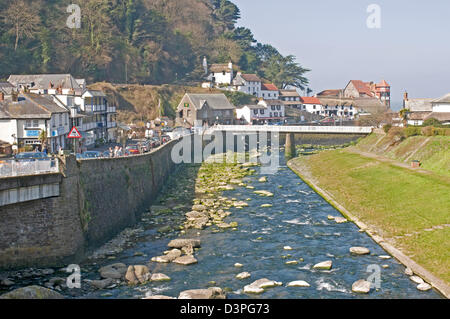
(385, 257)
(142, 273)
(259, 285)
(185, 260)
(101, 284)
(238, 265)
(340, 220)
(32, 292)
(287, 248)
(243, 275)
(359, 250)
(180, 243)
(361, 286)
(199, 208)
(114, 271)
(409, 272)
(159, 297)
(291, 262)
(298, 283)
(262, 179)
(159, 277)
(324, 265)
(266, 205)
(424, 286)
(210, 293)
(416, 279)
(188, 250)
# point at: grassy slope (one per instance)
(434, 154)
(399, 202)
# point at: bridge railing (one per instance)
(11, 167)
(293, 129)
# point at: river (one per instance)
(297, 218)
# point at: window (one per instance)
(314, 107)
(270, 114)
(35, 123)
(276, 114)
(278, 107)
(273, 107)
(255, 112)
(28, 123)
(60, 119)
(261, 111)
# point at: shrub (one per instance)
(431, 122)
(412, 131)
(396, 134)
(386, 128)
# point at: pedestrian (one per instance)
(116, 151)
(111, 152)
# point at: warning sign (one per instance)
(74, 133)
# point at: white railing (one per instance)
(293, 129)
(9, 168)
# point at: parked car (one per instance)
(165, 138)
(156, 142)
(91, 154)
(31, 156)
(146, 145)
(132, 149)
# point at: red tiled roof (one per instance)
(383, 83)
(362, 87)
(310, 100)
(269, 87)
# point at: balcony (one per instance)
(111, 109)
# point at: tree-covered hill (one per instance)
(135, 41)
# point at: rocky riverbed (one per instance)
(224, 230)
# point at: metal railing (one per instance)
(12, 167)
(293, 129)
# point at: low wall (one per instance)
(97, 199)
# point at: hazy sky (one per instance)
(411, 50)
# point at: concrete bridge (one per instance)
(290, 131)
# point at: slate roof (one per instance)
(419, 105)
(6, 88)
(444, 99)
(214, 101)
(43, 81)
(289, 93)
(219, 68)
(30, 106)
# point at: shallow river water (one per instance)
(298, 218)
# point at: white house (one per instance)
(269, 92)
(24, 116)
(252, 114)
(221, 74)
(51, 84)
(248, 83)
(312, 105)
(441, 109)
(275, 109)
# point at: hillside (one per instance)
(432, 151)
(140, 102)
(135, 41)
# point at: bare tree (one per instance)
(21, 20)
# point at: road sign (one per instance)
(74, 133)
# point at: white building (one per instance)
(269, 92)
(89, 110)
(221, 74)
(252, 114)
(24, 116)
(275, 109)
(248, 83)
(312, 105)
(291, 99)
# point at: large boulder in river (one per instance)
(359, 250)
(210, 293)
(114, 271)
(324, 265)
(185, 260)
(137, 274)
(361, 286)
(169, 257)
(180, 243)
(258, 286)
(32, 292)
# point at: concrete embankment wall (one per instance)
(97, 199)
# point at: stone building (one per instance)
(197, 110)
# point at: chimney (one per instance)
(15, 96)
(2, 96)
(405, 98)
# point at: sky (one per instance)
(410, 50)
